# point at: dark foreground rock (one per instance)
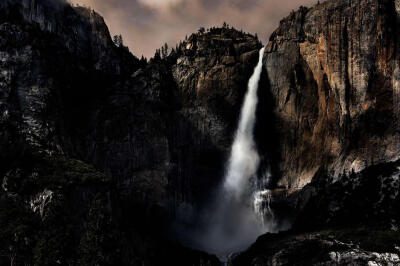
(353, 221)
(346, 246)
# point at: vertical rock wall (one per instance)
(333, 73)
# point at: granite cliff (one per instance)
(332, 72)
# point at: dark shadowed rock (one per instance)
(354, 221)
(67, 90)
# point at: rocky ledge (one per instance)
(346, 246)
(354, 221)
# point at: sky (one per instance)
(146, 25)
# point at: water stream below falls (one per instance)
(237, 216)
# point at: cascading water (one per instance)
(244, 159)
(237, 217)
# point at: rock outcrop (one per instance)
(333, 74)
(329, 247)
(353, 221)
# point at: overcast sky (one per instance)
(147, 24)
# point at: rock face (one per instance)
(155, 133)
(333, 77)
(165, 131)
(333, 74)
(79, 107)
(211, 73)
(41, 65)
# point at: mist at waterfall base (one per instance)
(235, 217)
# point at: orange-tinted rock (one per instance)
(333, 71)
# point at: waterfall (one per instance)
(244, 159)
(236, 218)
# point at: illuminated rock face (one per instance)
(333, 72)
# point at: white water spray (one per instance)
(237, 217)
(244, 159)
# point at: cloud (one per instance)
(159, 3)
(147, 24)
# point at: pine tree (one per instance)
(164, 51)
(157, 55)
(118, 41)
